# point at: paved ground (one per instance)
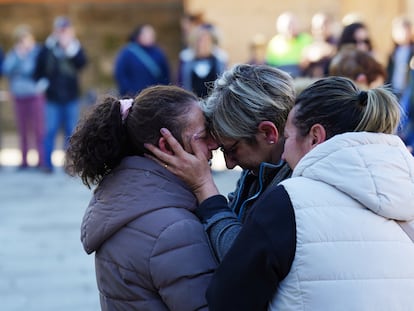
(42, 263)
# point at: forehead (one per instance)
(361, 32)
(195, 118)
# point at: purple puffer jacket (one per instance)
(151, 252)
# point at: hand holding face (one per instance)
(194, 169)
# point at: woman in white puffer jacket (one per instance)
(328, 238)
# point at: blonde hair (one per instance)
(382, 113)
(246, 95)
(339, 106)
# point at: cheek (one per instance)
(212, 144)
(204, 147)
(293, 151)
(302, 148)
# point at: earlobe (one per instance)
(270, 132)
(318, 134)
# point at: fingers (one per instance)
(161, 157)
(172, 142)
(196, 145)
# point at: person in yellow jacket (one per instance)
(284, 50)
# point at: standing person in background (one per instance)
(317, 56)
(355, 34)
(329, 238)
(151, 252)
(140, 63)
(188, 22)
(1, 61)
(285, 49)
(60, 62)
(359, 66)
(401, 57)
(26, 92)
(257, 50)
(400, 69)
(1, 73)
(202, 62)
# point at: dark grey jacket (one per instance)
(151, 251)
(223, 220)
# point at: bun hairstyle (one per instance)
(338, 105)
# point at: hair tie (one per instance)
(125, 105)
(362, 97)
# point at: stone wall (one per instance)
(102, 27)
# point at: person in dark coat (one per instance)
(60, 62)
(141, 63)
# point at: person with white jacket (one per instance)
(329, 238)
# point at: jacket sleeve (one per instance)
(221, 224)
(79, 59)
(10, 63)
(40, 67)
(121, 71)
(182, 265)
(260, 257)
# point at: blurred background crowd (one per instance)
(57, 58)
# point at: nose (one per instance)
(230, 161)
(282, 157)
(212, 144)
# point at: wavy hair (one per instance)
(348, 35)
(101, 139)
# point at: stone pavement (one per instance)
(42, 263)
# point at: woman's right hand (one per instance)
(194, 168)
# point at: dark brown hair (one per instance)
(351, 62)
(101, 139)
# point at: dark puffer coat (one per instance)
(151, 251)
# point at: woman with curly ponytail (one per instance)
(150, 249)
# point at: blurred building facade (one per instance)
(240, 20)
(103, 25)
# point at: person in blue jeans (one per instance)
(60, 62)
(26, 93)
